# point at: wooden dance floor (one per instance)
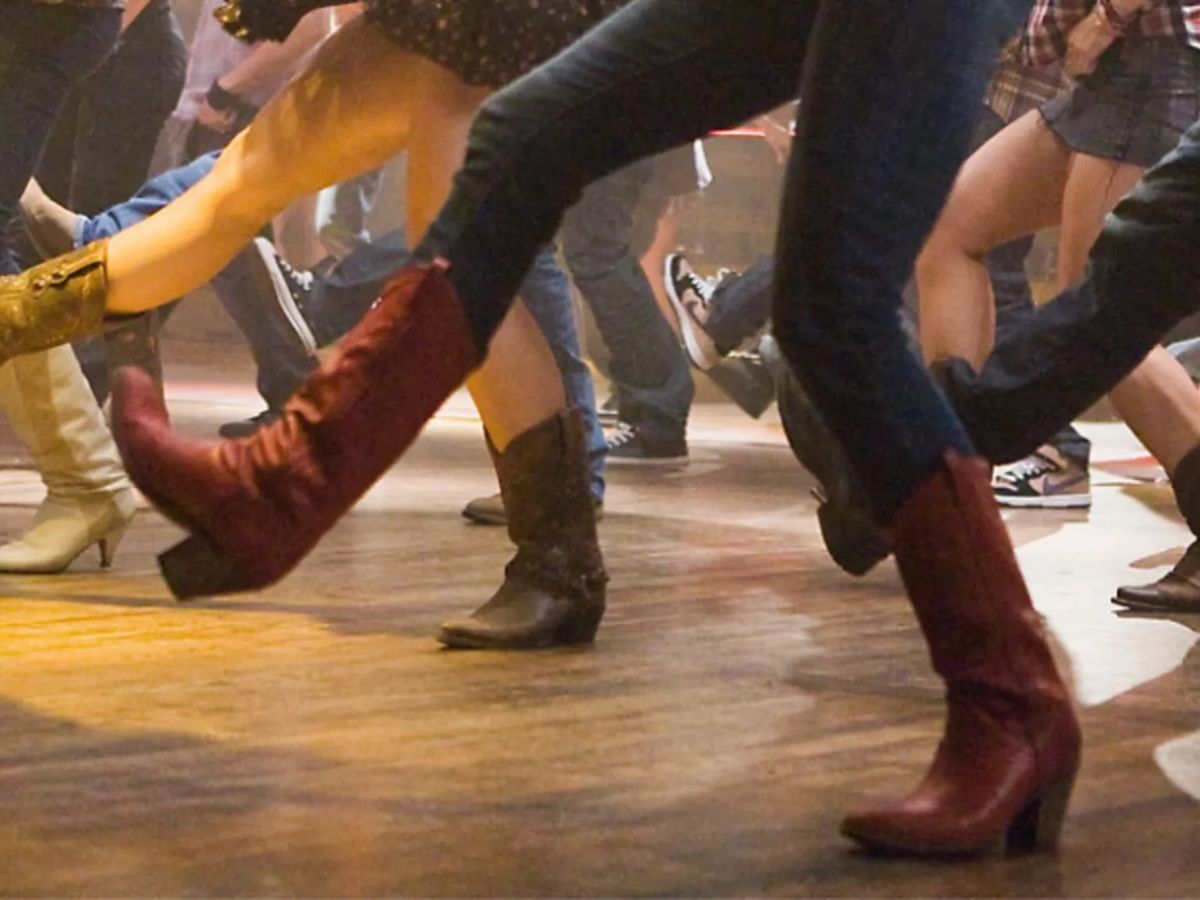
(314, 740)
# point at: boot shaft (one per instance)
(54, 302)
(957, 562)
(52, 411)
(543, 476)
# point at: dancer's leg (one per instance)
(348, 112)
(44, 51)
(540, 141)
(1144, 278)
(1010, 187)
(1159, 402)
(534, 146)
(518, 385)
(863, 192)
(1093, 187)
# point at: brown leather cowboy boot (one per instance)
(257, 505)
(1179, 589)
(1007, 761)
(553, 590)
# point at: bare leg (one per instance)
(1158, 401)
(1010, 187)
(519, 384)
(348, 112)
(1093, 188)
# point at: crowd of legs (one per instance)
(876, 187)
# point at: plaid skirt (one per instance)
(1143, 95)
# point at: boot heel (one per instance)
(1038, 825)
(196, 567)
(108, 546)
(581, 628)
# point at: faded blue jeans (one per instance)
(652, 378)
(890, 100)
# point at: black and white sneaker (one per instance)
(1046, 479)
(292, 288)
(690, 295)
(629, 445)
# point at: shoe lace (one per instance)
(621, 435)
(1024, 470)
(702, 288)
(301, 280)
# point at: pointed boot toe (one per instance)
(257, 505)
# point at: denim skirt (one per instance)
(1143, 95)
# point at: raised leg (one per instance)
(863, 192)
(338, 118)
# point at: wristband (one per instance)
(224, 101)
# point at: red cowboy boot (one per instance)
(1006, 764)
(257, 505)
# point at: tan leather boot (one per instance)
(89, 499)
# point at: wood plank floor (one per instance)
(313, 740)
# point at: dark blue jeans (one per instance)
(341, 296)
(890, 99)
(649, 371)
(44, 51)
(741, 306)
(1143, 278)
(100, 150)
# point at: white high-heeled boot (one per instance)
(89, 499)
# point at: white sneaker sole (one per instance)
(674, 462)
(1054, 501)
(283, 296)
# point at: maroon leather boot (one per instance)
(255, 506)
(1004, 769)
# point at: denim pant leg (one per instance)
(656, 74)
(153, 196)
(1143, 278)
(650, 372)
(352, 203)
(342, 295)
(547, 295)
(123, 109)
(282, 358)
(890, 100)
(44, 51)
(741, 306)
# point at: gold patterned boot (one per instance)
(54, 302)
